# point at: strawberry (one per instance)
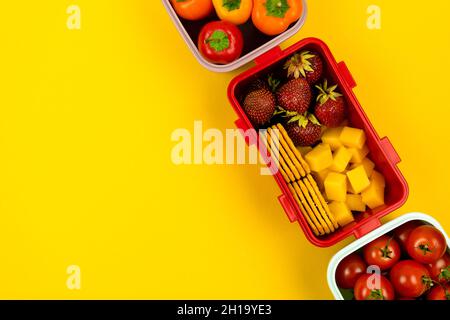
(295, 95)
(259, 105)
(330, 106)
(304, 130)
(305, 64)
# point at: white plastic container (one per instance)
(361, 242)
(252, 55)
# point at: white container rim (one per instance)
(244, 59)
(358, 244)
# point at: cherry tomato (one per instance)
(365, 288)
(383, 252)
(426, 244)
(193, 9)
(440, 270)
(220, 42)
(402, 233)
(349, 270)
(410, 278)
(439, 292)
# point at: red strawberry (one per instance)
(305, 64)
(295, 96)
(330, 107)
(259, 106)
(304, 130)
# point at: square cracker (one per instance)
(307, 211)
(295, 151)
(301, 188)
(281, 165)
(304, 212)
(275, 142)
(283, 144)
(319, 204)
(322, 200)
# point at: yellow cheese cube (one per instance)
(320, 158)
(358, 179)
(354, 203)
(350, 188)
(358, 155)
(304, 150)
(320, 177)
(331, 137)
(373, 196)
(378, 179)
(367, 164)
(353, 138)
(341, 159)
(336, 186)
(341, 213)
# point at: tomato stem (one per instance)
(424, 248)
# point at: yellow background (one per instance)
(86, 176)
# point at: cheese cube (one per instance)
(320, 158)
(320, 177)
(354, 203)
(341, 159)
(358, 179)
(358, 155)
(350, 188)
(353, 138)
(331, 137)
(304, 150)
(336, 187)
(373, 196)
(341, 213)
(367, 164)
(378, 179)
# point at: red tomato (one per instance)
(440, 270)
(426, 244)
(410, 278)
(366, 288)
(402, 233)
(220, 42)
(439, 292)
(383, 252)
(349, 270)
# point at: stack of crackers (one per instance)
(297, 174)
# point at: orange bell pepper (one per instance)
(273, 17)
(234, 11)
(193, 9)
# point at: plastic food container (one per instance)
(358, 244)
(255, 43)
(382, 152)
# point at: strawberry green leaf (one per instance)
(231, 5)
(273, 83)
(277, 8)
(312, 118)
(218, 41)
